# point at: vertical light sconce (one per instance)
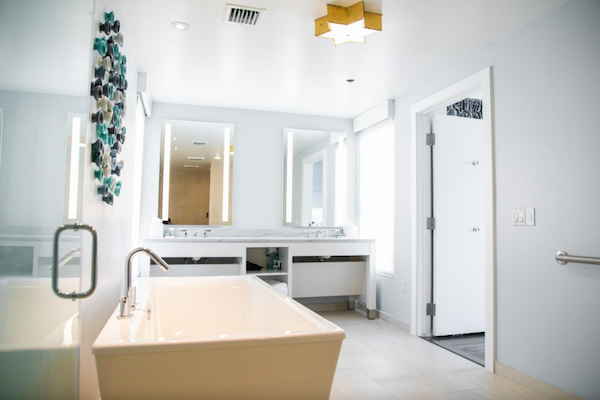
(166, 173)
(226, 140)
(289, 177)
(74, 166)
(341, 177)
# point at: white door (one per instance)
(458, 238)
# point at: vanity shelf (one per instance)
(267, 272)
(314, 268)
(198, 266)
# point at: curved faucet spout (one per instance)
(68, 256)
(125, 301)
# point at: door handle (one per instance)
(55, 262)
(475, 229)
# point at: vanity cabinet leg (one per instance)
(371, 314)
(351, 303)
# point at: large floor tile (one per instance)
(411, 388)
(354, 384)
(380, 361)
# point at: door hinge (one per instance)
(430, 139)
(431, 224)
(430, 309)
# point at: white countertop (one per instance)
(259, 239)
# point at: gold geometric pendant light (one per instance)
(347, 24)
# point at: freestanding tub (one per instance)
(228, 337)
(39, 340)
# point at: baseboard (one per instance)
(533, 383)
(317, 307)
(362, 307)
(405, 326)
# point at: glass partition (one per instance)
(44, 102)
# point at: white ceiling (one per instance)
(278, 66)
(282, 66)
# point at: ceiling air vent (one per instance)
(190, 166)
(199, 143)
(193, 158)
(241, 15)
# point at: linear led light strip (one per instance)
(226, 174)
(289, 175)
(341, 177)
(74, 168)
(166, 173)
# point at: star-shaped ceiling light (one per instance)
(347, 24)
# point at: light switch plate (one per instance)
(518, 216)
(530, 216)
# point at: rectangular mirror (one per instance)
(314, 178)
(196, 173)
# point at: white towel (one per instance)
(278, 285)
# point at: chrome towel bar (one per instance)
(56, 263)
(563, 258)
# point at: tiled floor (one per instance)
(380, 361)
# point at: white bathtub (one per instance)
(39, 335)
(228, 337)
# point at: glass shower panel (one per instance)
(44, 102)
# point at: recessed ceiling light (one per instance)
(180, 26)
(217, 157)
(175, 148)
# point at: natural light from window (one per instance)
(376, 191)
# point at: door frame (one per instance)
(421, 205)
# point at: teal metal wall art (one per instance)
(108, 89)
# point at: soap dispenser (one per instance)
(272, 255)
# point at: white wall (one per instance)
(35, 131)
(546, 96)
(114, 224)
(258, 166)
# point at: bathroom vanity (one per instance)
(311, 267)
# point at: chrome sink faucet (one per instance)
(127, 302)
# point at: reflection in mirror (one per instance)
(314, 178)
(196, 173)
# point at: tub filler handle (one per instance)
(56, 262)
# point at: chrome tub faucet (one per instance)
(128, 301)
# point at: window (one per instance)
(376, 191)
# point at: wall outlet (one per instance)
(530, 216)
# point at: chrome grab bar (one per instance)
(55, 262)
(563, 258)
